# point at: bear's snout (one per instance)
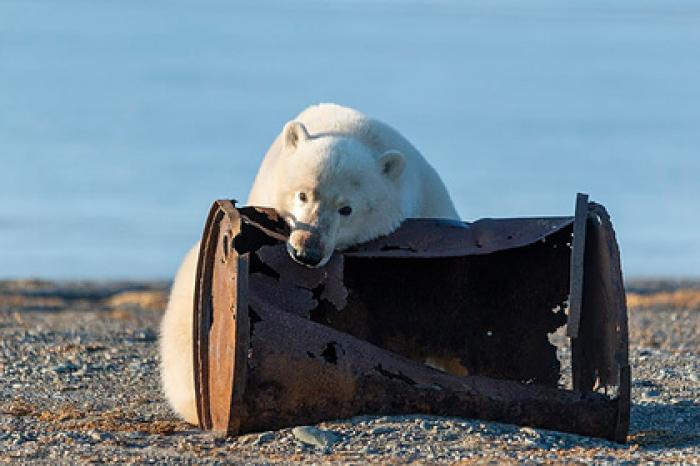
(310, 258)
(306, 248)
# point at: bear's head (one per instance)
(336, 191)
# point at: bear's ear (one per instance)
(392, 163)
(294, 134)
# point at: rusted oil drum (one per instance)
(485, 295)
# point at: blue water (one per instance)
(120, 121)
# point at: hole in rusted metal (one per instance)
(561, 342)
(251, 238)
(266, 218)
(329, 353)
(225, 246)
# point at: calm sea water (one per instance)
(120, 121)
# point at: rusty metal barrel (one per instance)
(277, 344)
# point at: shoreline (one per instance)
(22, 294)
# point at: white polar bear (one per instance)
(339, 178)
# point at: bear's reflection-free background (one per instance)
(121, 121)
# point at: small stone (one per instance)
(96, 436)
(147, 335)
(315, 437)
(367, 450)
(382, 430)
(264, 438)
(688, 403)
(529, 431)
(65, 368)
(643, 383)
(449, 437)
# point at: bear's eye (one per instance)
(347, 210)
(302, 197)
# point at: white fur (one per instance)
(421, 192)
(338, 157)
(176, 360)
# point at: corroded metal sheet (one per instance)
(435, 238)
(301, 372)
(478, 298)
(221, 290)
(578, 250)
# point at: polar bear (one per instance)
(339, 178)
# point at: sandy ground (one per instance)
(80, 383)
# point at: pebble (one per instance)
(315, 437)
(382, 430)
(650, 395)
(529, 431)
(264, 438)
(146, 335)
(368, 450)
(65, 368)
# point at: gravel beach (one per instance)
(80, 383)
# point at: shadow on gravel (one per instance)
(670, 425)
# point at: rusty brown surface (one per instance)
(434, 238)
(202, 311)
(600, 352)
(302, 372)
(576, 269)
(485, 309)
(484, 294)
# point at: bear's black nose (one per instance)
(310, 258)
